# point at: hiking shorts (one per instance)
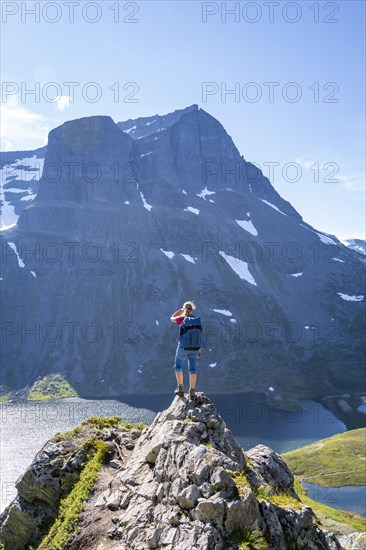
(181, 355)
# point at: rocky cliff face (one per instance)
(130, 220)
(183, 483)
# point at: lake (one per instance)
(350, 497)
(25, 427)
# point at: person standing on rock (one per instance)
(189, 346)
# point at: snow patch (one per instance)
(273, 206)
(157, 322)
(27, 169)
(145, 204)
(145, 154)
(184, 192)
(212, 365)
(193, 210)
(204, 193)
(338, 260)
(270, 388)
(240, 268)
(324, 239)
(349, 298)
(152, 122)
(34, 275)
(126, 202)
(295, 274)
(20, 261)
(223, 312)
(233, 321)
(29, 197)
(130, 129)
(188, 258)
(169, 255)
(248, 226)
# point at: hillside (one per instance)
(332, 462)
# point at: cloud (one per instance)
(21, 128)
(353, 235)
(349, 180)
(63, 101)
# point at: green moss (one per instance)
(52, 386)
(250, 539)
(335, 520)
(333, 462)
(72, 506)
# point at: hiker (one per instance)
(189, 345)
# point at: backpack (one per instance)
(190, 333)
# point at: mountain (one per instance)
(356, 244)
(132, 219)
(183, 482)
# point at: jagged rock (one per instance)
(354, 541)
(46, 481)
(271, 470)
(175, 492)
(51, 476)
(189, 496)
(115, 464)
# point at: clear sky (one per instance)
(165, 55)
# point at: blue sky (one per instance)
(168, 54)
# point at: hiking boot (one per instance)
(192, 393)
(180, 390)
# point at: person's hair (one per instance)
(188, 307)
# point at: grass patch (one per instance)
(249, 539)
(5, 394)
(241, 482)
(52, 386)
(72, 506)
(332, 462)
(328, 515)
(136, 426)
(263, 493)
(284, 500)
(95, 425)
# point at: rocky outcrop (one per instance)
(183, 483)
(51, 476)
(354, 541)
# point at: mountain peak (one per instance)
(144, 126)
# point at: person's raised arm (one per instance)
(178, 313)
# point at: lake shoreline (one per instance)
(345, 407)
